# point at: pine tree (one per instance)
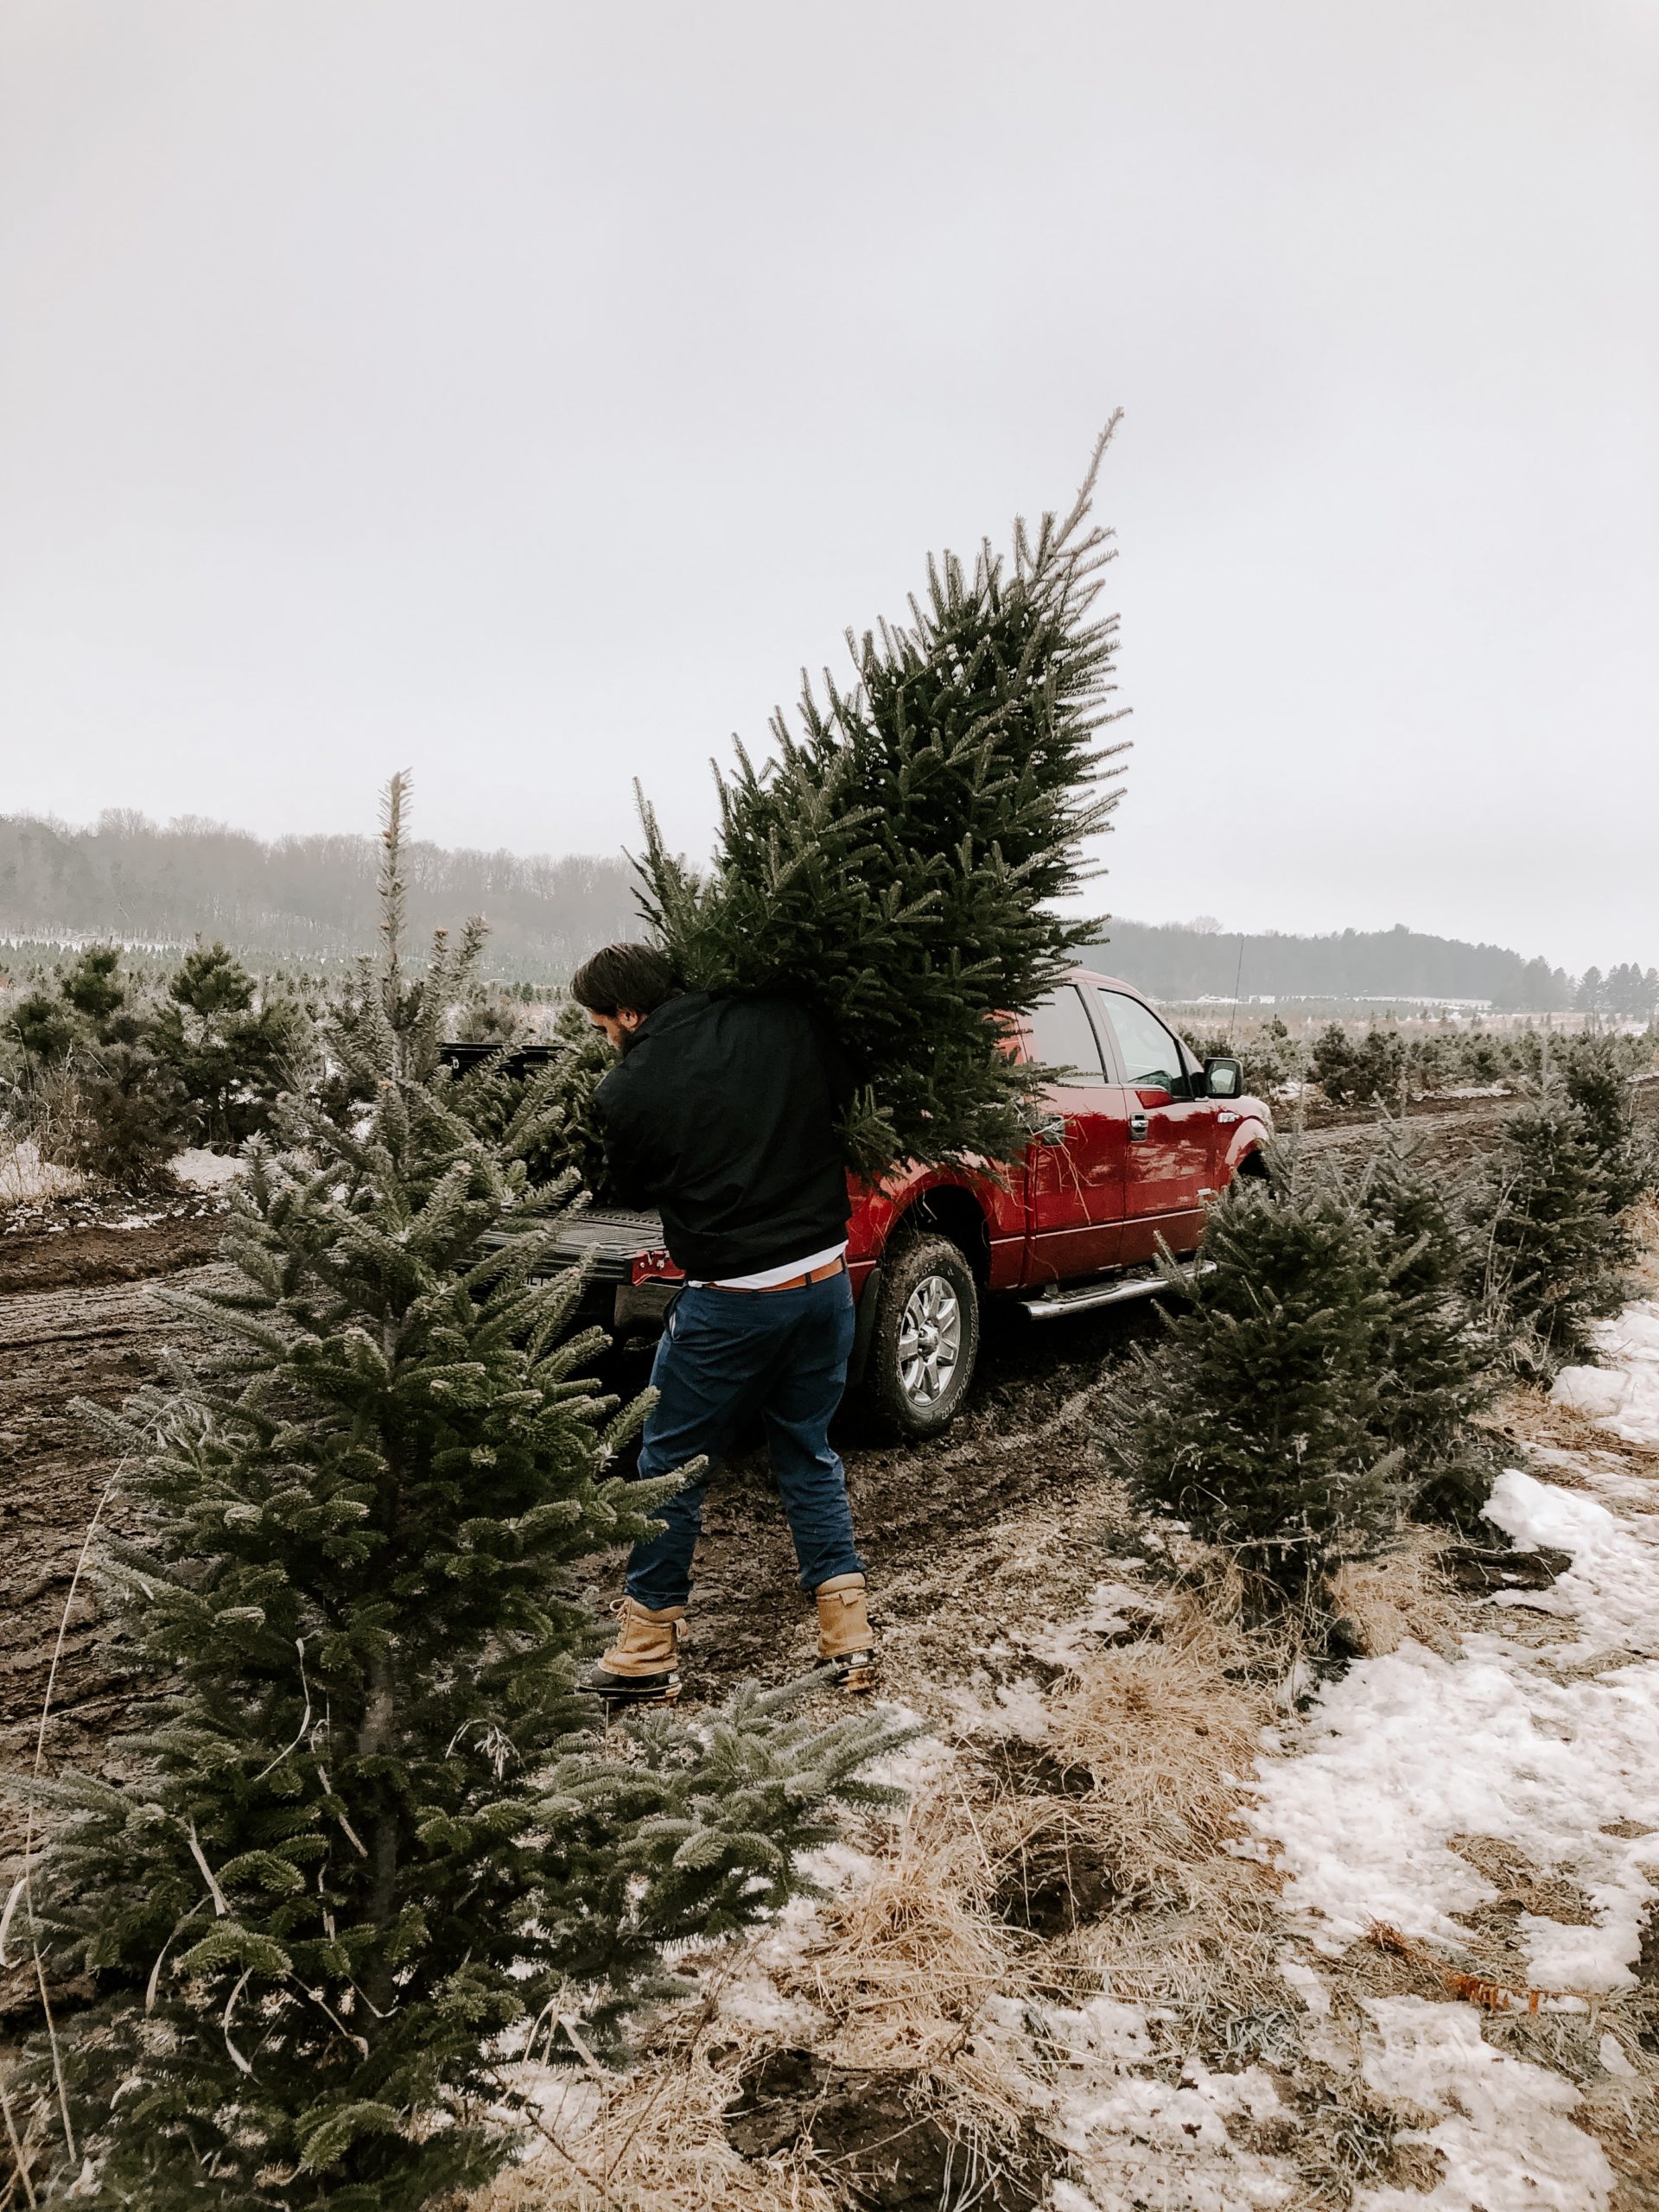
(364, 1850)
(1439, 1361)
(898, 868)
(232, 1055)
(1549, 1255)
(1357, 1074)
(1257, 1422)
(1595, 1080)
(93, 987)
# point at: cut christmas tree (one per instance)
(901, 866)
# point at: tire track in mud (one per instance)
(100, 1341)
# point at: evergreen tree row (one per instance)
(115, 1084)
(1329, 1371)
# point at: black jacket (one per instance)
(722, 1114)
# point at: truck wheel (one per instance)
(926, 1337)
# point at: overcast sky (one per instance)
(523, 392)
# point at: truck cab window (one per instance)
(1152, 1059)
(1062, 1035)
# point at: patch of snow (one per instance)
(1018, 1709)
(1611, 1588)
(1409, 1749)
(1297, 1974)
(1504, 2131)
(26, 1179)
(199, 1169)
(1621, 1394)
(1136, 2138)
(1115, 1610)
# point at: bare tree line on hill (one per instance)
(297, 897)
(130, 878)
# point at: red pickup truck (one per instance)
(1133, 1138)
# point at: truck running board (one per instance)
(1091, 1294)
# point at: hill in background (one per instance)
(297, 898)
(312, 899)
(1188, 960)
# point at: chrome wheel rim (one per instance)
(929, 1340)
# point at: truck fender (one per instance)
(864, 1327)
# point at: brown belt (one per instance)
(794, 1282)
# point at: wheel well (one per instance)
(1252, 1163)
(953, 1212)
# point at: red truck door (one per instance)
(1171, 1134)
(1075, 1182)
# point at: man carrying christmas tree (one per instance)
(721, 1114)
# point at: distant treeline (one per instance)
(297, 897)
(1177, 961)
(312, 898)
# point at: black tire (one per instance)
(925, 1340)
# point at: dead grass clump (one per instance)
(1166, 1730)
(1527, 1416)
(907, 1965)
(1643, 1221)
(1522, 1886)
(1398, 1599)
(27, 1179)
(650, 2141)
(1211, 1964)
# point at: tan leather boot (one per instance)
(845, 1636)
(642, 1666)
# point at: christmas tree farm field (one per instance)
(1101, 1950)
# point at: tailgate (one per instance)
(611, 1239)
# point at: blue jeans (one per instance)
(723, 1357)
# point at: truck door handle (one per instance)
(1137, 1127)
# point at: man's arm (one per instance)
(634, 1165)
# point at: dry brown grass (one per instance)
(28, 1179)
(1165, 1729)
(651, 2141)
(1403, 1597)
(906, 1967)
(1527, 1416)
(1642, 1220)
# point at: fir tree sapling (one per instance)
(1257, 1421)
(1358, 1074)
(1549, 1255)
(1438, 1359)
(232, 1052)
(1595, 1080)
(364, 1849)
(571, 1139)
(93, 988)
(899, 867)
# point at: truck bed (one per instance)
(612, 1236)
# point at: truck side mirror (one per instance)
(1223, 1076)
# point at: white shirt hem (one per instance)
(769, 1276)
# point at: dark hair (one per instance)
(633, 976)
